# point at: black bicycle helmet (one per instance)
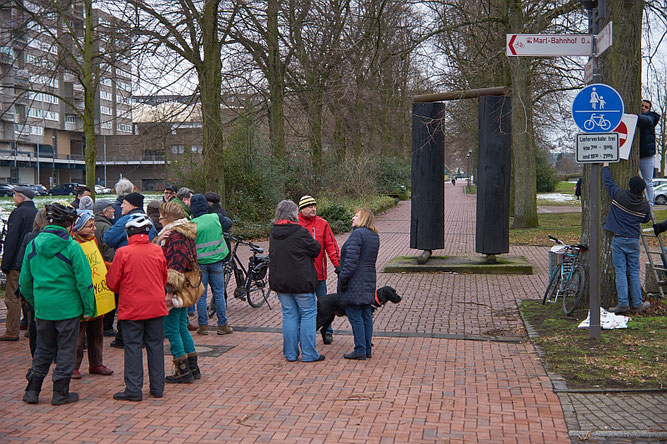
(60, 212)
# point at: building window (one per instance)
(106, 125)
(178, 149)
(106, 82)
(105, 95)
(70, 118)
(124, 127)
(106, 110)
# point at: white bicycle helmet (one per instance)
(140, 221)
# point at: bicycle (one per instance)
(251, 282)
(568, 278)
(599, 120)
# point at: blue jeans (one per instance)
(214, 275)
(362, 327)
(625, 256)
(320, 291)
(176, 330)
(299, 322)
(646, 166)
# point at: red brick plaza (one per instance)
(434, 375)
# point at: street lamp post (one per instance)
(468, 167)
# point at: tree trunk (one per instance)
(276, 79)
(89, 90)
(621, 69)
(210, 80)
(314, 107)
(523, 138)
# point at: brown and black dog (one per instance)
(328, 307)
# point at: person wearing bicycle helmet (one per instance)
(139, 275)
(56, 280)
(629, 209)
(647, 121)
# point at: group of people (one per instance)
(298, 272)
(76, 269)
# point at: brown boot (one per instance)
(182, 373)
(225, 330)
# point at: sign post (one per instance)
(549, 45)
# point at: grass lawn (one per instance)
(635, 357)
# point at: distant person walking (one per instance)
(577, 188)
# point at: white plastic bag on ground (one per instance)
(608, 320)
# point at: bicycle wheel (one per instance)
(257, 295)
(574, 290)
(552, 287)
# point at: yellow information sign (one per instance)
(104, 298)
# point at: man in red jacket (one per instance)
(139, 274)
(321, 232)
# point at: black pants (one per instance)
(56, 339)
(32, 328)
(151, 333)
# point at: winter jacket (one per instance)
(321, 232)
(179, 248)
(199, 206)
(19, 224)
(356, 280)
(116, 237)
(182, 205)
(627, 211)
(102, 224)
(24, 243)
(647, 123)
(291, 254)
(56, 278)
(138, 274)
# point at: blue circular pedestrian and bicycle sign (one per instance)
(598, 108)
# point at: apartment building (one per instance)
(41, 97)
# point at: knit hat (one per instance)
(86, 203)
(135, 199)
(306, 201)
(212, 197)
(26, 191)
(153, 207)
(637, 185)
(101, 205)
(83, 217)
(198, 205)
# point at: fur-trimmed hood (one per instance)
(187, 229)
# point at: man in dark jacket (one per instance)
(81, 191)
(293, 277)
(647, 122)
(116, 237)
(627, 212)
(19, 224)
(123, 188)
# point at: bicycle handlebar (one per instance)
(239, 239)
(582, 247)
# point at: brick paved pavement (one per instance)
(415, 389)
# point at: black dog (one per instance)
(328, 308)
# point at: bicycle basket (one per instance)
(258, 266)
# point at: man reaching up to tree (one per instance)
(629, 209)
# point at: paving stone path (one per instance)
(425, 383)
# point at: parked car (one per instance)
(40, 190)
(659, 181)
(660, 194)
(99, 189)
(64, 189)
(6, 190)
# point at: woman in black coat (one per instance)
(356, 280)
(292, 275)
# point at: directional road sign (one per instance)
(597, 108)
(603, 39)
(549, 45)
(597, 147)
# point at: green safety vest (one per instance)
(211, 245)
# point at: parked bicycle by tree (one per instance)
(568, 278)
(251, 281)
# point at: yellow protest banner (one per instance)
(104, 298)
